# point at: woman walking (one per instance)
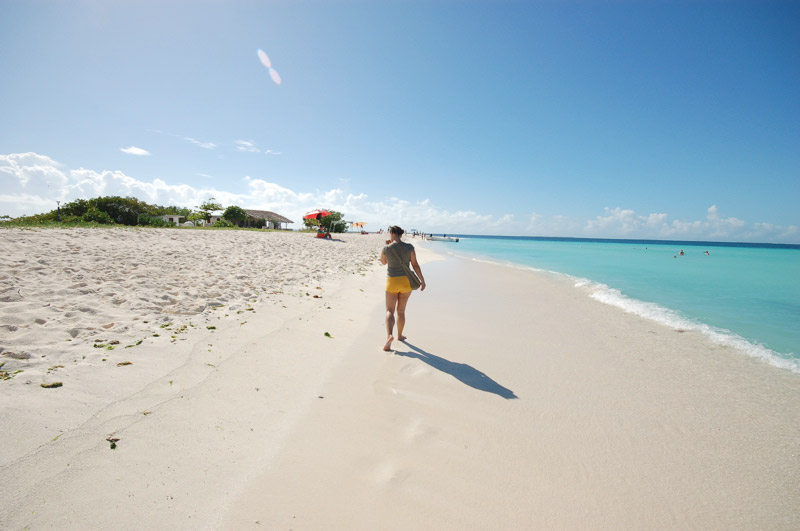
(396, 254)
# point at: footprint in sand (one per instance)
(417, 430)
(415, 369)
(388, 474)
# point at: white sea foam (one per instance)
(673, 319)
(665, 316)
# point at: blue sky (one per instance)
(636, 119)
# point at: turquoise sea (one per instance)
(743, 295)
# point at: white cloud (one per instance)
(625, 223)
(504, 221)
(248, 146)
(204, 145)
(21, 203)
(22, 168)
(245, 145)
(557, 225)
(133, 150)
(32, 183)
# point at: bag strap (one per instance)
(405, 267)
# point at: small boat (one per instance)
(443, 239)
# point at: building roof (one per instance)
(266, 214)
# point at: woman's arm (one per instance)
(383, 258)
(417, 269)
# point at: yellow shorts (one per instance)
(398, 285)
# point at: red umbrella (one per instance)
(314, 214)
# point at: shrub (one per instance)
(223, 223)
(96, 216)
(155, 210)
(123, 210)
(151, 221)
(235, 214)
(76, 208)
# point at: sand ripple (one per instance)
(62, 288)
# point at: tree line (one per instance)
(116, 210)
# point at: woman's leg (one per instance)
(402, 300)
(391, 304)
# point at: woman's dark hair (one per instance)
(394, 229)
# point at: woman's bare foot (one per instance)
(388, 346)
(401, 338)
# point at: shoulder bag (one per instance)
(412, 277)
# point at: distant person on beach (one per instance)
(398, 288)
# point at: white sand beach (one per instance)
(241, 379)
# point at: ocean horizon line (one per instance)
(696, 243)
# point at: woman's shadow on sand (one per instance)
(460, 371)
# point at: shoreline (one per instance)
(567, 414)
(517, 402)
(662, 315)
(657, 312)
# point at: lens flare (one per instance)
(264, 58)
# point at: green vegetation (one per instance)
(129, 211)
(147, 220)
(205, 208)
(51, 385)
(223, 223)
(110, 210)
(6, 375)
(332, 223)
(98, 343)
(235, 214)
